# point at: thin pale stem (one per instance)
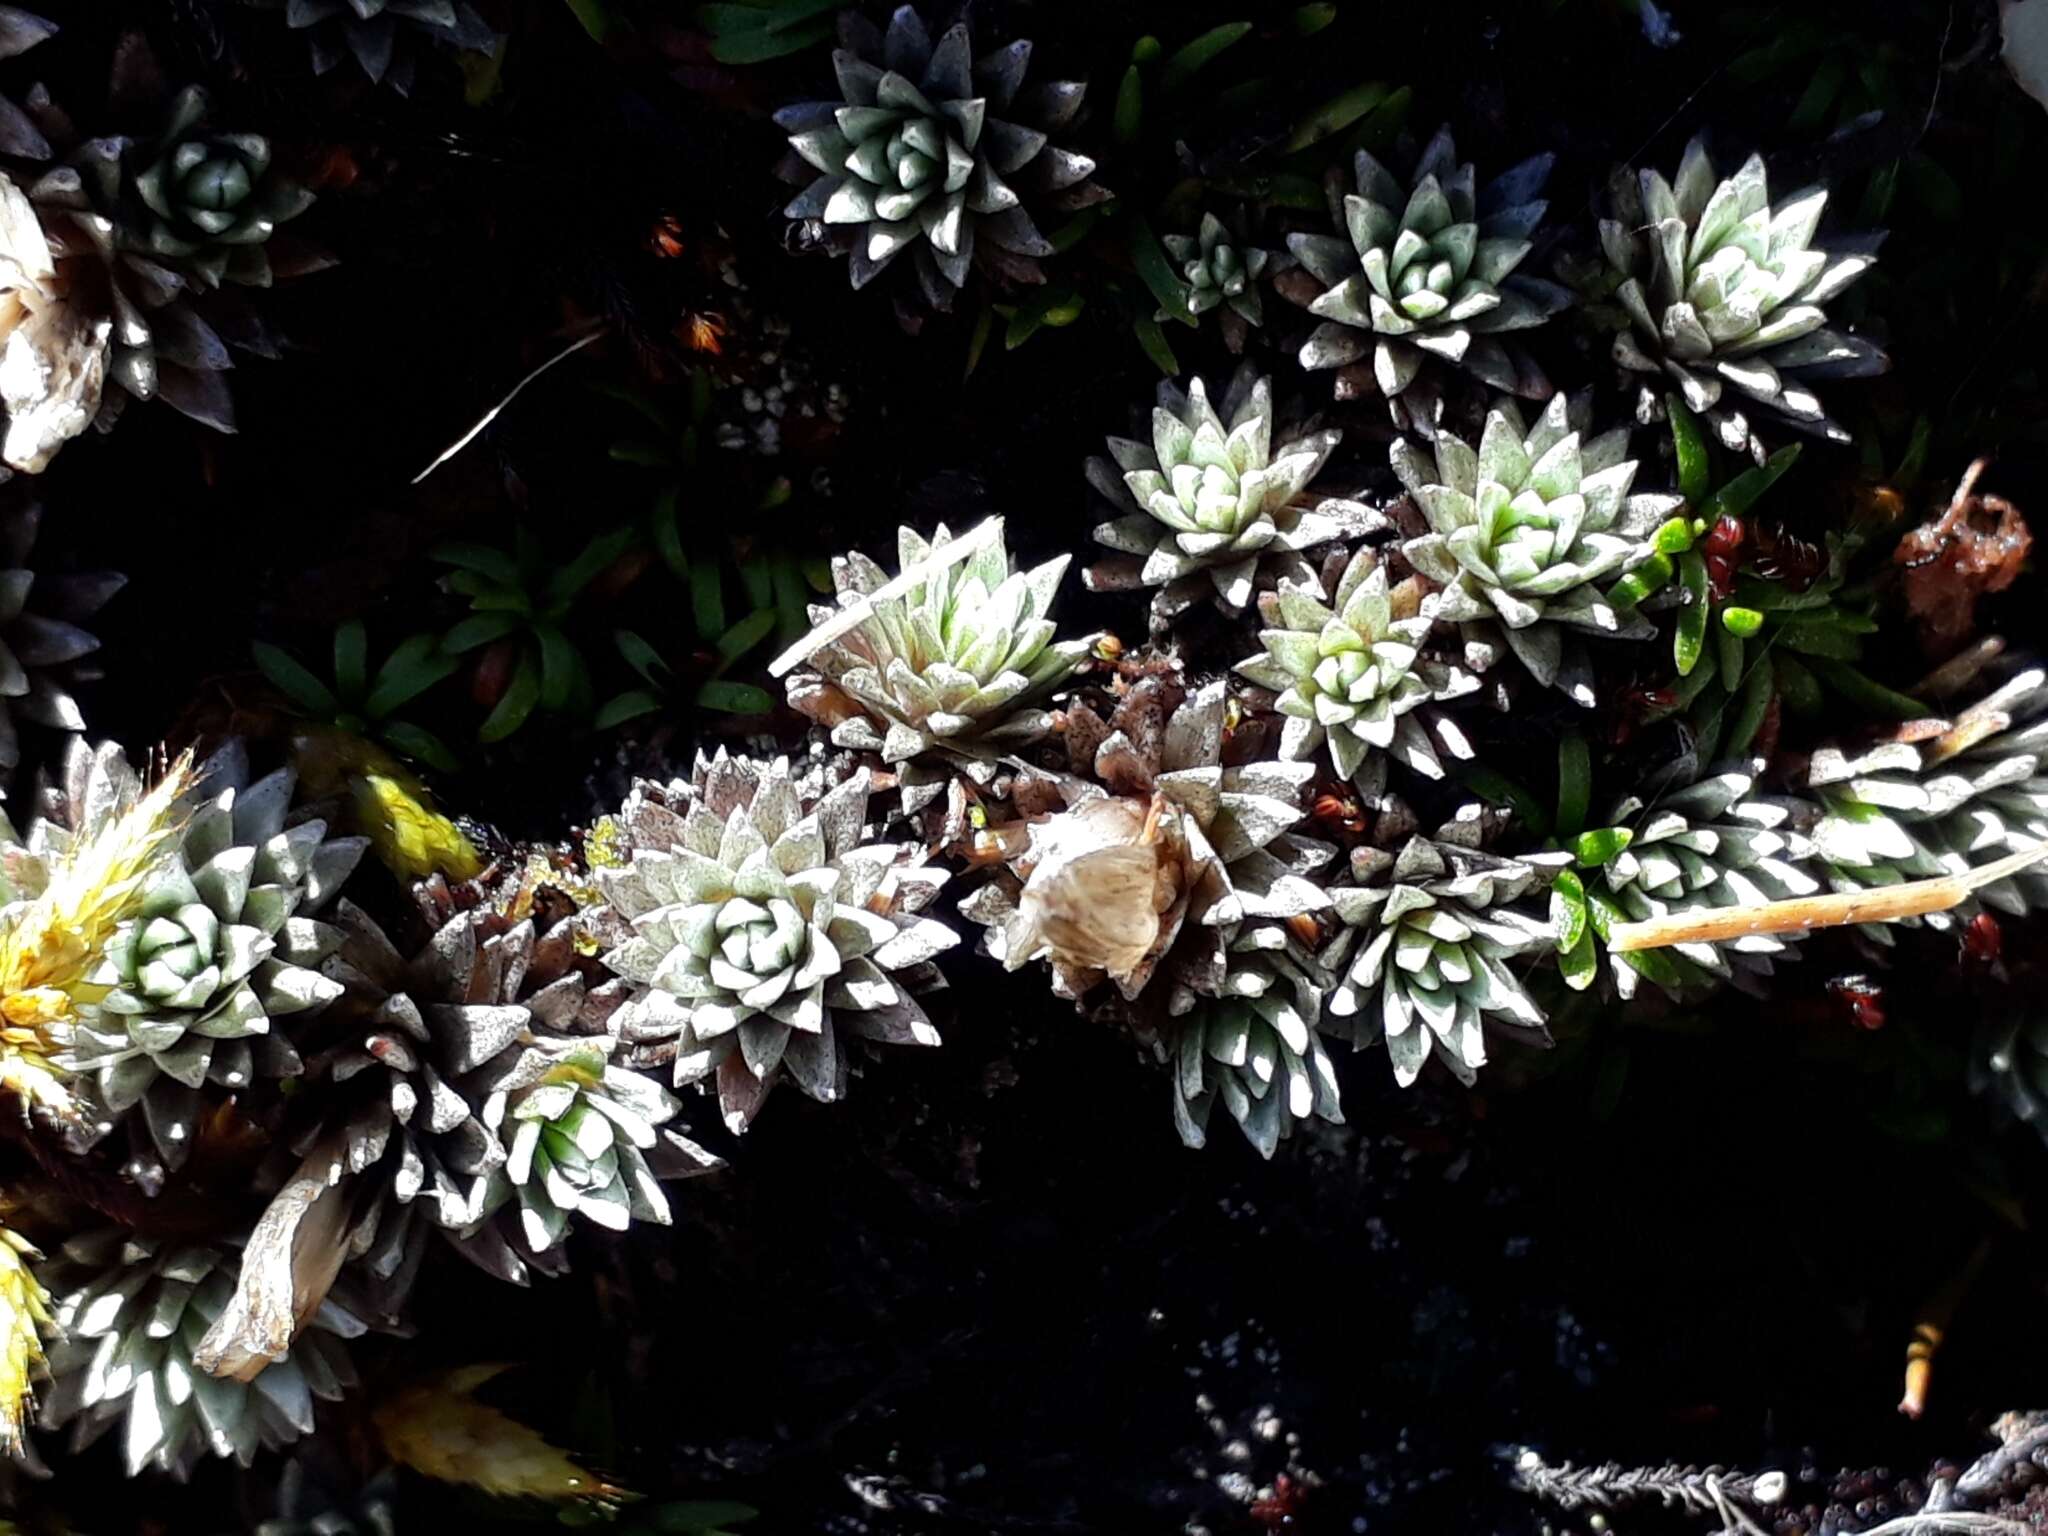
(1914, 898)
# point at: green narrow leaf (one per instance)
(1685, 689)
(640, 656)
(1653, 575)
(1311, 19)
(1568, 909)
(520, 695)
(1914, 463)
(642, 455)
(984, 324)
(1130, 107)
(631, 705)
(1195, 55)
(1740, 494)
(1741, 622)
(414, 665)
(1149, 258)
(1574, 783)
(707, 600)
(1820, 93)
(1377, 128)
(1055, 307)
(1692, 618)
(1595, 848)
(668, 536)
(494, 565)
(1499, 789)
(758, 43)
(1865, 694)
(640, 401)
(1075, 230)
(1674, 537)
(595, 557)
(1335, 115)
(1024, 321)
(757, 575)
(1156, 346)
(1063, 307)
(1730, 655)
(1751, 705)
(594, 16)
(421, 746)
(1580, 964)
(1707, 728)
(1820, 639)
(745, 635)
(1934, 188)
(291, 679)
(1695, 473)
(1878, 195)
(732, 698)
(1654, 964)
(351, 659)
(1797, 685)
(478, 629)
(558, 662)
(792, 607)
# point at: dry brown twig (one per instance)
(1913, 898)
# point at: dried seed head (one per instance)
(1105, 872)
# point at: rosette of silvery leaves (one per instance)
(1938, 798)
(400, 1073)
(1222, 269)
(1716, 841)
(957, 663)
(1423, 954)
(762, 936)
(1721, 295)
(44, 650)
(132, 1309)
(578, 1130)
(1429, 268)
(162, 234)
(1219, 507)
(1216, 839)
(223, 945)
(1526, 534)
(934, 151)
(1256, 1048)
(381, 36)
(1354, 674)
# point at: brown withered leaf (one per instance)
(1973, 549)
(439, 1429)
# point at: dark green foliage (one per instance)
(367, 703)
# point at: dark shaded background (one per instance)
(992, 1291)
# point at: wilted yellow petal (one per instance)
(24, 1314)
(438, 1428)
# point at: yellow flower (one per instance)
(24, 1314)
(392, 807)
(50, 943)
